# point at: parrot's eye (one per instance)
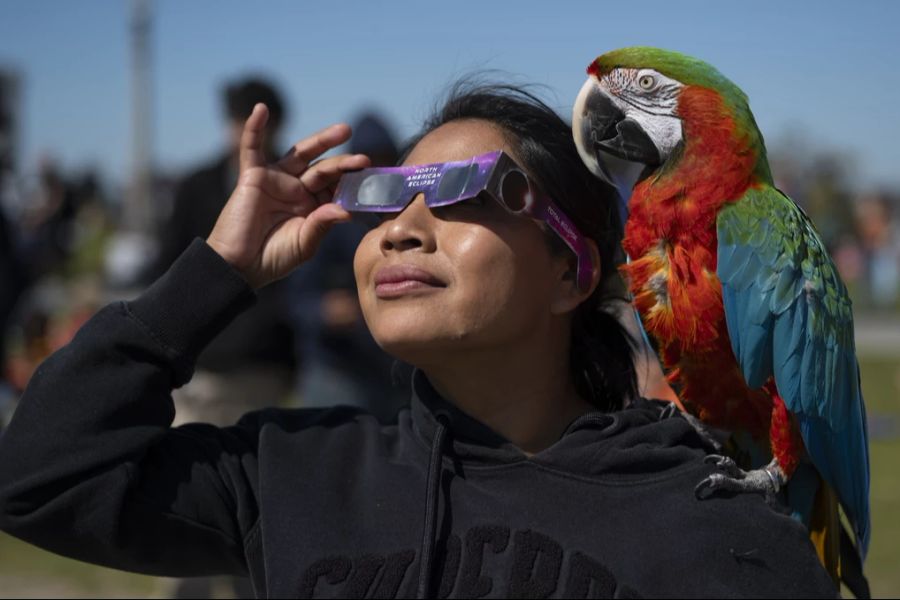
(647, 82)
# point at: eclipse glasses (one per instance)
(390, 189)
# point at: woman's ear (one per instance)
(568, 295)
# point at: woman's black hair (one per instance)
(602, 358)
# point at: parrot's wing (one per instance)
(789, 315)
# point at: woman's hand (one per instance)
(278, 213)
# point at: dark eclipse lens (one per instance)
(381, 190)
(454, 181)
(514, 191)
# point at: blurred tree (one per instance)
(819, 180)
(828, 198)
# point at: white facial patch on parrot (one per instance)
(651, 99)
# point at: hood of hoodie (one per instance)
(646, 439)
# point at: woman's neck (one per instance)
(524, 392)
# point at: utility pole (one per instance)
(132, 247)
(138, 213)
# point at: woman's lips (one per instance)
(399, 280)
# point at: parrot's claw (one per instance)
(767, 480)
(725, 463)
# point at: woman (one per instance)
(515, 472)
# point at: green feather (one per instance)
(681, 67)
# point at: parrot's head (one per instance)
(633, 114)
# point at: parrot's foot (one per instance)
(767, 480)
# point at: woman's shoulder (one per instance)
(334, 417)
(338, 425)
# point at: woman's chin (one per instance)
(418, 346)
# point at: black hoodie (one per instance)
(329, 503)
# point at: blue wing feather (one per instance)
(789, 317)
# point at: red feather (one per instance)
(671, 233)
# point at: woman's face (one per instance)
(457, 278)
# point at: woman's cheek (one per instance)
(487, 281)
(364, 258)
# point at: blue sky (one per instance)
(830, 69)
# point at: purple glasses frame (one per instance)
(390, 189)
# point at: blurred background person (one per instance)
(879, 236)
(52, 249)
(340, 361)
(12, 284)
(251, 364)
(47, 221)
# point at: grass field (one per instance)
(881, 386)
(884, 554)
(26, 571)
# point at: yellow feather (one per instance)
(825, 531)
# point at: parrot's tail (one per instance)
(825, 530)
(851, 567)
(834, 545)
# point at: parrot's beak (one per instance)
(606, 138)
(613, 147)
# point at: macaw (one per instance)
(731, 279)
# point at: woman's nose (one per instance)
(412, 229)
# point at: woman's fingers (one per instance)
(325, 173)
(305, 151)
(278, 214)
(277, 185)
(251, 151)
(316, 186)
(316, 225)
